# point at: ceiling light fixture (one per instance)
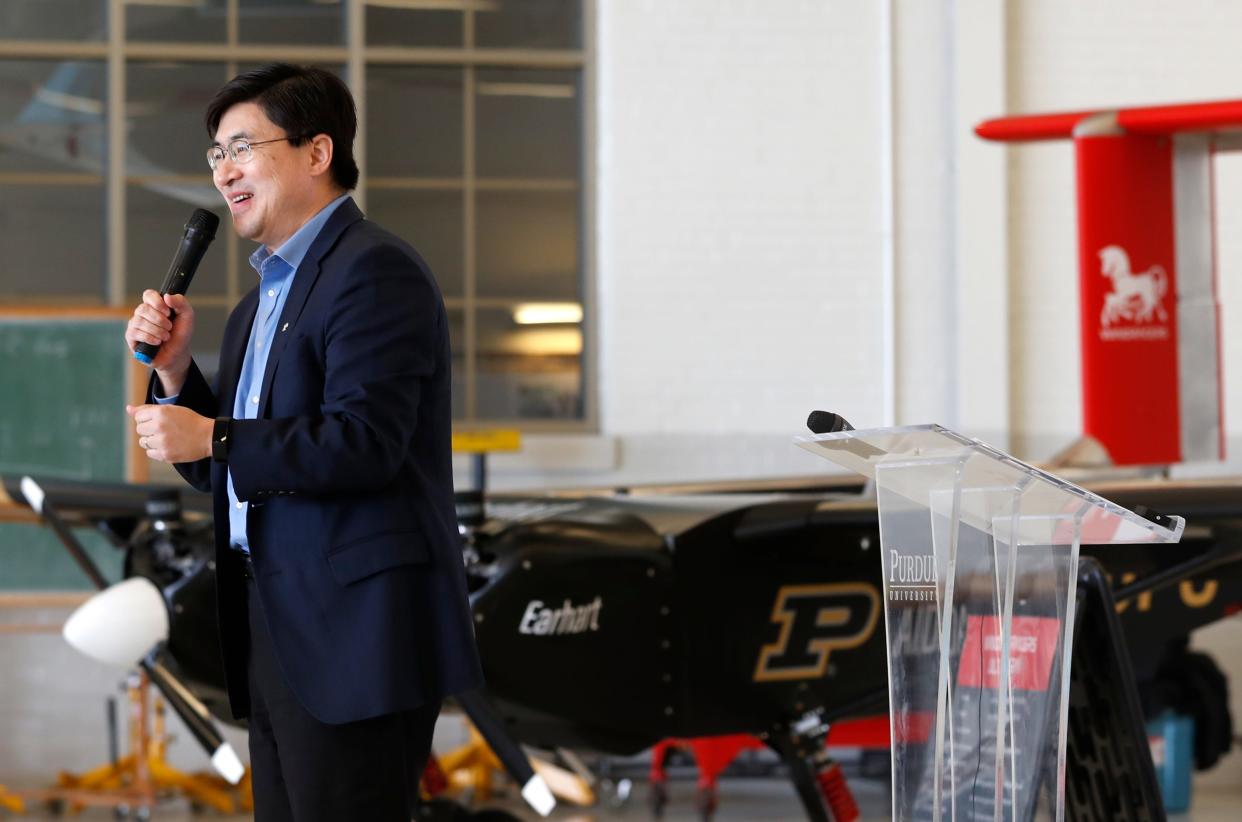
(547, 313)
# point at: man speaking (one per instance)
(325, 442)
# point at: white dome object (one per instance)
(120, 624)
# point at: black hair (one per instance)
(302, 100)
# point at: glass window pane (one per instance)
(52, 116)
(528, 245)
(388, 26)
(414, 121)
(431, 221)
(528, 372)
(54, 20)
(154, 224)
(528, 124)
(167, 172)
(48, 230)
(299, 22)
(165, 103)
(539, 24)
(203, 21)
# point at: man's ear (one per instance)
(320, 154)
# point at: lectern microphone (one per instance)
(826, 422)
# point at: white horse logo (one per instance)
(1135, 297)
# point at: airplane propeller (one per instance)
(126, 624)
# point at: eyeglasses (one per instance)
(239, 151)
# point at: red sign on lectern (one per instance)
(1032, 650)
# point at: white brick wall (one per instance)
(744, 219)
(738, 214)
(741, 229)
(738, 237)
(924, 209)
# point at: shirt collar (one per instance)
(293, 250)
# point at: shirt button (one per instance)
(241, 505)
(271, 292)
(254, 400)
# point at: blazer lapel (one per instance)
(346, 214)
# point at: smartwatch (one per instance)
(220, 439)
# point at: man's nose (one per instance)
(226, 171)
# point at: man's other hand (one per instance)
(171, 433)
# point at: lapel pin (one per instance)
(285, 327)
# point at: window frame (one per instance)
(356, 57)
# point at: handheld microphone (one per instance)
(200, 230)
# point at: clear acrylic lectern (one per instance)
(980, 559)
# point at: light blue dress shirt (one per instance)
(276, 272)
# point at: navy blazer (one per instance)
(348, 472)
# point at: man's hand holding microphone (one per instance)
(159, 334)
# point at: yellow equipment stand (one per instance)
(143, 776)
(11, 802)
(486, 440)
(478, 443)
(474, 766)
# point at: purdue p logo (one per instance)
(815, 620)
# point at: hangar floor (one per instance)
(741, 800)
(51, 718)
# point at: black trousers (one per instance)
(304, 770)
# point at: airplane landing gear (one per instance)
(818, 779)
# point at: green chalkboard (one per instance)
(64, 383)
(62, 410)
(32, 559)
